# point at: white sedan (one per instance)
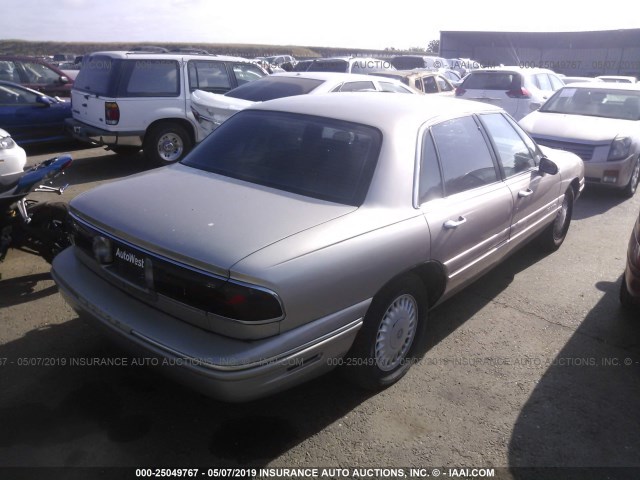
(211, 109)
(12, 157)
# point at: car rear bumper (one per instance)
(98, 136)
(218, 366)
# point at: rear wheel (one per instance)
(49, 229)
(552, 237)
(632, 186)
(167, 143)
(392, 337)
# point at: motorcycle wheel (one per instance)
(50, 229)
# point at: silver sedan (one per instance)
(312, 232)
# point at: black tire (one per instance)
(552, 237)
(50, 229)
(124, 149)
(632, 186)
(167, 143)
(392, 337)
(626, 300)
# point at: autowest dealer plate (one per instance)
(129, 264)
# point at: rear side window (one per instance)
(151, 78)
(492, 81)
(355, 87)
(99, 75)
(464, 155)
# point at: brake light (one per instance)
(519, 93)
(111, 113)
(460, 91)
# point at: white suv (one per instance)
(517, 90)
(133, 100)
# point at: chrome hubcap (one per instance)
(561, 218)
(396, 332)
(170, 147)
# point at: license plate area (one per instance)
(129, 264)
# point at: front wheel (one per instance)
(632, 186)
(552, 237)
(167, 143)
(392, 337)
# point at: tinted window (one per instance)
(152, 78)
(464, 155)
(313, 156)
(492, 81)
(98, 75)
(10, 95)
(329, 66)
(270, 87)
(430, 85)
(430, 179)
(209, 76)
(513, 153)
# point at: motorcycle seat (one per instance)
(9, 182)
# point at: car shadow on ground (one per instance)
(585, 406)
(24, 289)
(596, 200)
(137, 416)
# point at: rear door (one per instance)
(467, 206)
(96, 83)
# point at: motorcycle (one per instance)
(41, 228)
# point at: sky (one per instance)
(374, 24)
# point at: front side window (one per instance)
(542, 81)
(313, 156)
(39, 74)
(12, 96)
(513, 154)
(209, 76)
(444, 85)
(464, 155)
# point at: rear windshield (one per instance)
(98, 75)
(492, 81)
(313, 156)
(269, 88)
(341, 66)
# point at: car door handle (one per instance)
(455, 223)
(525, 193)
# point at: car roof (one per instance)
(379, 110)
(515, 68)
(325, 76)
(605, 86)
(141, 55)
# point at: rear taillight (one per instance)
(111, 113)
(460, 91)
(518, 93)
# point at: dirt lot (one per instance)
(535, 365)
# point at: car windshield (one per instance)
(595, 102)
(269, 88)
(313, 156)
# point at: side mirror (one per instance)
(44, 101)
(63, 79)
(547, 166)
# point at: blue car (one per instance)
(31, 116)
